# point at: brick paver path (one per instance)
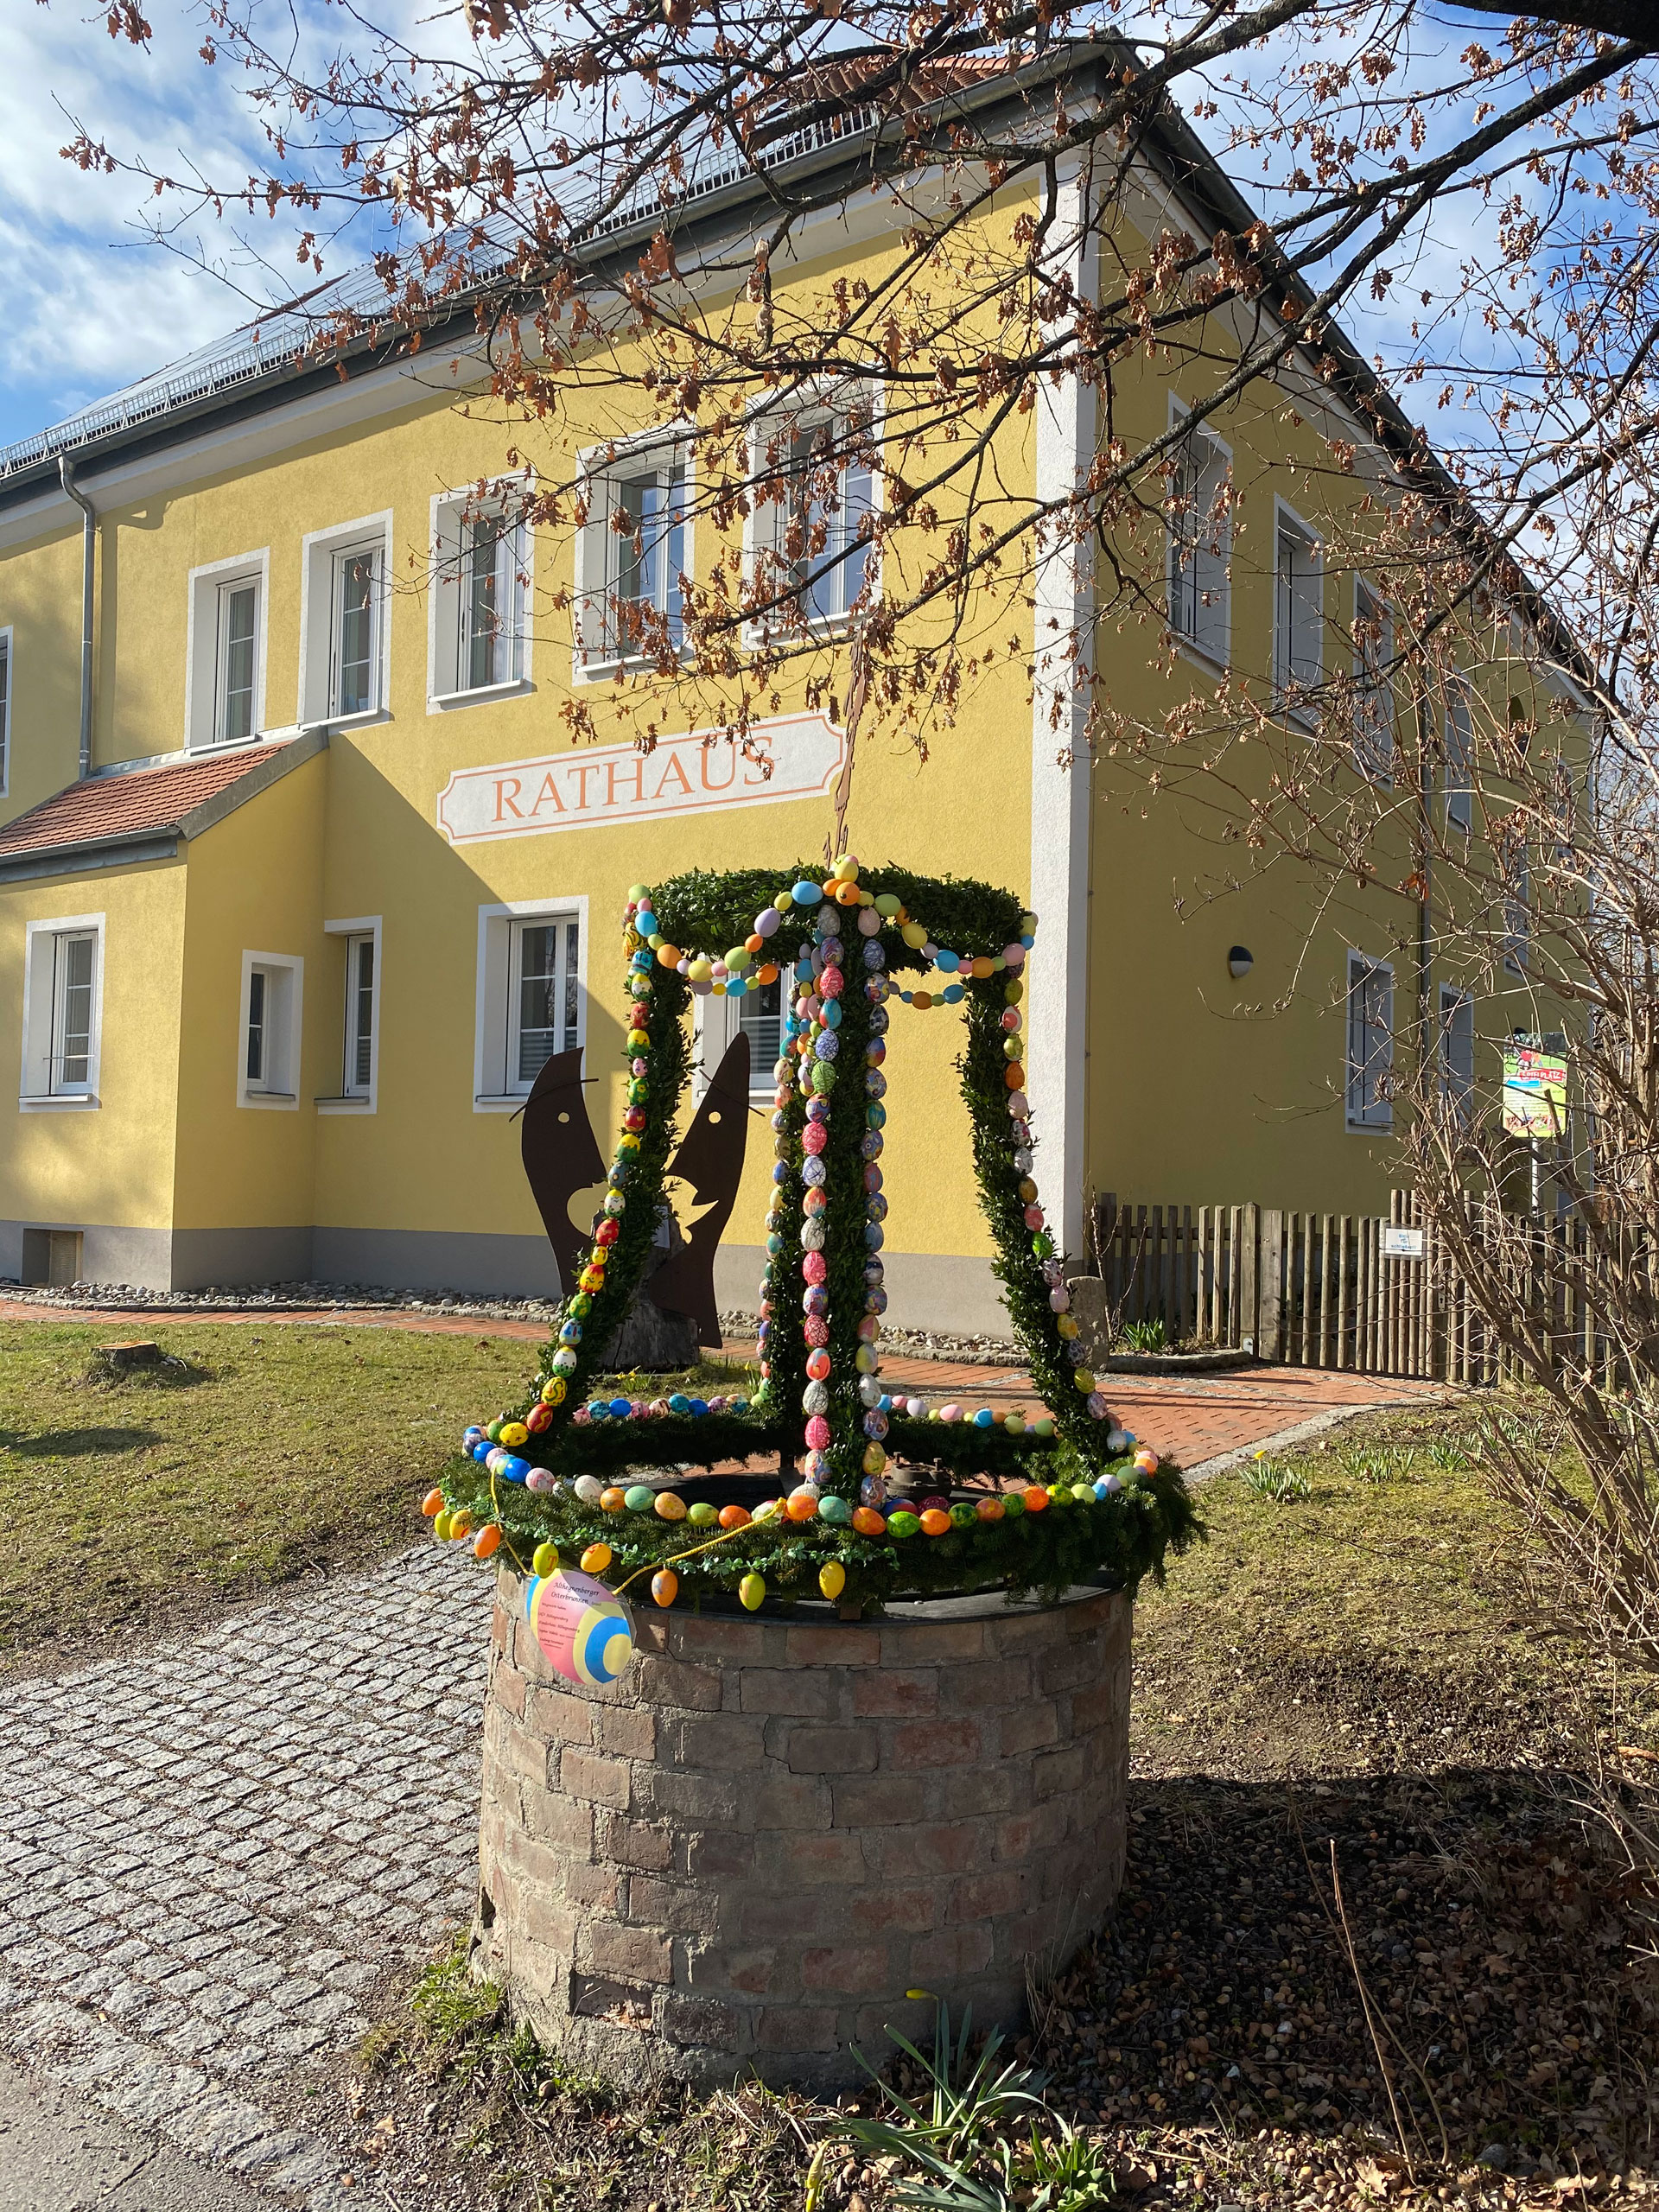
(212, 1852)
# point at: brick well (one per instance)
(740, 1857)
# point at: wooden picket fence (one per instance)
(1319, 1289)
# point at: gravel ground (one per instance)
(278, 1297)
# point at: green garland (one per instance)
(1121, 1536)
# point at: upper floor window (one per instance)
(343, 636)
(224, 690)
(480, 585)
(5, 711)
(634, 553)
(1459, 758)
(1200, 546)
(63, 985)
(1368, 1085)
(813, 493)
(1373, 685)
(1298, 611)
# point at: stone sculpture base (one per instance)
(740, 1857)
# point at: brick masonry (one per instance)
(742, 1855)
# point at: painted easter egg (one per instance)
(584, 1632)
(832, 1578)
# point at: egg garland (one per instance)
(555, 1472)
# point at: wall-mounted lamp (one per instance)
(1240, 960)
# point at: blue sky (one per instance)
(89, 305)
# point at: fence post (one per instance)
(1270, 1290)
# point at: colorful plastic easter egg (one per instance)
(513, 1433)
(1044, 1425)
(702, 1514)
(752, 1589)
(460, 1524)
(963, 1517)
(950, 1412)
(1036, 1498)
(613, 1501)
(933, 1523)
(594, 1560)
(440, 1527)
(1118, 1439)
(1147, 1460)
(1083, 1492)
(542, 1478)
(832, 1578)
(432, 1503)
(733, 1517)
(770, 1508)
(903, 1524)
(639, 1497)
(544, 1559)
(538, 1418)
(836, 1510)
(868, 1522)
(1082, 1380)
(488, 1541)
(583, 1630)
(802, 1504)
(664, 1586)
(990, 1509)
(589, 1488)
(669, 1507)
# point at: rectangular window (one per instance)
(72, 1012)
(357, 1077)
(1298, 611)
(1460, 760)
(1201, 546)
(1373, 686)
(238, 611)
(487, 650)
(1457, 1051)
(811, 555)
(760, 1015)
(544, 996)
(632, 558)
(1370, 1043)
(5, 711)
(358, 585)
(268, 1051)
(63, 986)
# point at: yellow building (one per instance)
(303, 880)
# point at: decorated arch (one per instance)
(877, 1495)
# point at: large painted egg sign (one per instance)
(583, 1629)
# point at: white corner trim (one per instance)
(1058, 972)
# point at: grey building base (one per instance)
(925, 1290)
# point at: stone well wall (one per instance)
(741, 1856)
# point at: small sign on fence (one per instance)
(1402, 1243)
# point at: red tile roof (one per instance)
(146, 800)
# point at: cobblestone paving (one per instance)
(211, 1852)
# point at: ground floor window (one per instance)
(62, 998)
(267, 1055)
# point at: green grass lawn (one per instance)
(272, 1451)
(276, 1450)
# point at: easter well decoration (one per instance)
(876, 1495)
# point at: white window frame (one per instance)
(1362, 1114)
(1457, 1085)
(765, 521)
(1213, 620)
(7, 680)
(204, 656)
(716, 1023)
(278, 1087)
(446, 641)
(36, 1090)
(1373, 700)
(351, 1099)
(321, 552)
(494, 1089)
(1458, 775)
(1287, 521)
(595, 654)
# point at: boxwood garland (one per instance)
(1122, 1536)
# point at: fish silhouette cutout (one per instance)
(710, 1159)
(561, 1157)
